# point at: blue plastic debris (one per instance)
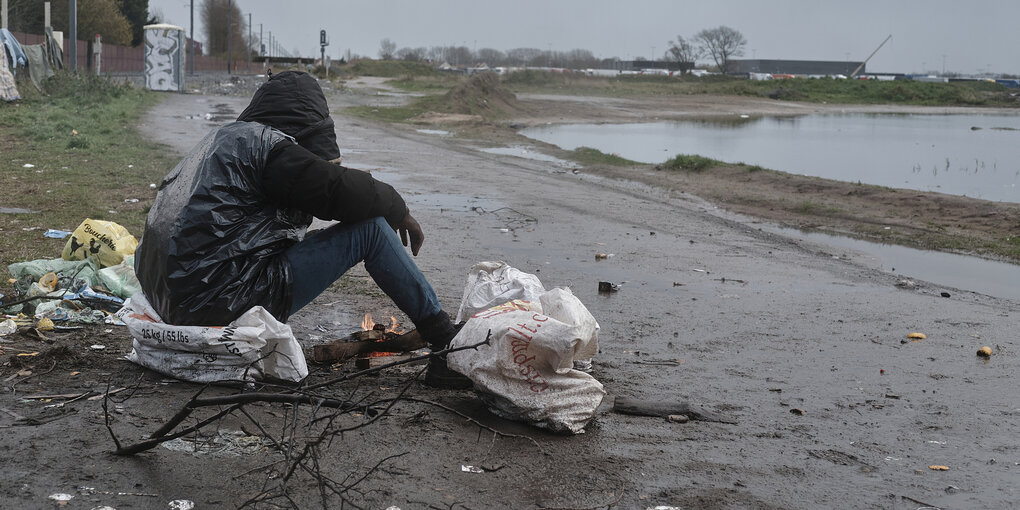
(56, 234)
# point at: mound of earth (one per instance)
(483, 95)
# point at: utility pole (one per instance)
(3, 16)
(228, 36)
(247, 48)
(191, 46)
(72, 32)
(262, 46)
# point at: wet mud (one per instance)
(808, 353)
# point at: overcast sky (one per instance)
(968, 36)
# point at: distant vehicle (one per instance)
(700, 72)
(759, 76)
(782, 76)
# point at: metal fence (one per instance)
(123, 59)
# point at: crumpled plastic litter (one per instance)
(56, 234)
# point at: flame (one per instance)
(367, 323)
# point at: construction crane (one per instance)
(854, 74)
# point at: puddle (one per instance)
(439, 132)
(975, 274)
(530, 153)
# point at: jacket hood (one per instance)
(293, 102)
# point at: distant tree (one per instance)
(491, 56)
(214, 18)
(523, 56)
(580, 59)
(411, 54)
(682, 51)
(387, 49)
(102, 17)
(722, 44)
(137, 14)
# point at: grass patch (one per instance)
(690, 163)
(823, 90)
(481, 94)
(389, 68)
(590, 156)
(85, 160)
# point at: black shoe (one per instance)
(440, 375)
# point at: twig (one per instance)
(912, 500)
(106, 415)
(148, 444)
(476, 422)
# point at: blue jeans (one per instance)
(322, 258)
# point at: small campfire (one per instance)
(374, 340)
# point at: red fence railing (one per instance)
(123, 59)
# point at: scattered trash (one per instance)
(222, 443)
(504, 230)
(56, 234)
(44, 324)
(97, 347)
(906, 284)
(61, 498)
(985, 352)
(130, 200)
(938, 468)
(603, 256)
(945, 294)
(106, 241)
(678, 418)
(28, 165)
(917, 336)
(182, 504)
(605, 287)
(798, 411)
(8, 326)
(48, 282)
(152, 185)
(471, 469)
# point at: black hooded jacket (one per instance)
(215, 237)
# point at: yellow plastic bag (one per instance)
(106, 241)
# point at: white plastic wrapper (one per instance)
(494, 283)
(527, 372)
(252, 347)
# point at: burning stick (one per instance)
(361, 342)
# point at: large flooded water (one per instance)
(973, 155)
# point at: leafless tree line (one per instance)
(517, 57)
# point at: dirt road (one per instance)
(807, 351)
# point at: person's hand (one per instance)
(409, 228)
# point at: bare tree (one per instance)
(683, 51)
(387, 48)
(721, 43)
(214, 18)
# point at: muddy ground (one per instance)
(804, 346)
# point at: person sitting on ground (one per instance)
(227, 229)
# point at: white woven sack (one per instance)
(526, 373)
(250, 348)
